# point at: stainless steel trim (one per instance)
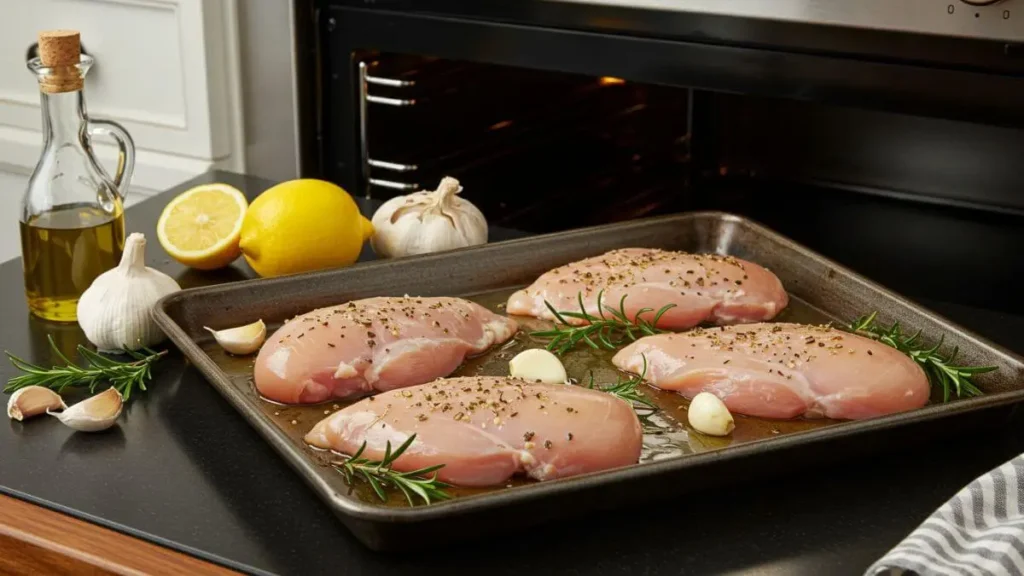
(1002, 20)
(364, 154)
(381, 81)
(394, 166)
(393, 185)
(365, 79)
(390, 101)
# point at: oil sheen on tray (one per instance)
(665, 434)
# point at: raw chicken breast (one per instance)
(703, 287)
(782, 370)
(373, 345)
(485, 429)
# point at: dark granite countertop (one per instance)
(185, 470)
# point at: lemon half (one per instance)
(201, 226)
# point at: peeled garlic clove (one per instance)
(241, 340)
(32, 401)
(709, 415)
(93, 414)
(538, 365)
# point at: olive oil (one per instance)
(72, 216)
(63, 251)
(667, 434)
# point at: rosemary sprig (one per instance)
(608, 331)
(627, 391)
(380, 475)
(124, 376)
(940, 369)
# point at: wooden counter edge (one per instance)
(36, 540)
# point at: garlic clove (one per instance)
(32, 401)
(536, 365)
(241, 340)
(92, 414)
(709, 415)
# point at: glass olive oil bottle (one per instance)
(72, 214)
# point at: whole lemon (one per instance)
(302, 225)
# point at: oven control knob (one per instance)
(981, 2)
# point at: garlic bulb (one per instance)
(114, 312)
(425, 222)
(92, 414)
(31, 401)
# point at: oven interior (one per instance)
(537, 151)
(927, 204)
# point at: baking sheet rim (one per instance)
(310, 471)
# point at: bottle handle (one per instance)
(125, 148)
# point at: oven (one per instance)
(886, 135)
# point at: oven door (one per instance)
(895, 153)
(957, 78)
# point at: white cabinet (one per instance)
(167, 70)
(11, 188)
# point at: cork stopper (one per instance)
(59, 47)
(61, 51)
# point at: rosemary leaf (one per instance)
(602, 331)
(950, 379)
(380, 475)
(627, 391)
(123, 376)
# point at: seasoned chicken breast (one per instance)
(486, 429)
(782, 370)
(373, 345)
(703, 287)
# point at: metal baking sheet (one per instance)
(819, 290)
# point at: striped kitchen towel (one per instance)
(979, 531)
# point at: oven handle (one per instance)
(393, 185)
(393, 166)
(393, 82)
(365, 99)
(389, 101)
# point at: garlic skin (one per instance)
(425, 222)
(92, 414)
(114, 312)
(537, 365)
(31, 401)
(242, 340)
(709, 415)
